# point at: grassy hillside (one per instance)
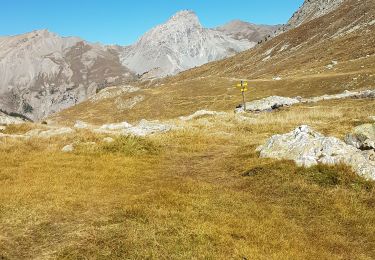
(300, 57)
(198, 192)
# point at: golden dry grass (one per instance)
(196, 193)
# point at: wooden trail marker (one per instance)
(243, 87)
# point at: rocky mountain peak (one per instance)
(179, 44)
(312, 9)
(185, 16)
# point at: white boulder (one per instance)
(145, 128)
(116, 126)
(307, 148)
(268, 104)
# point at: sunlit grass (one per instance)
(196, 192)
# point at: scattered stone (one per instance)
(202, 113)
(81, 125)
(372, 118)
(145, 128)
(307, 148)
(68, 148)
(116, 126)
(108, 140)
(273, 102)
(277, 78)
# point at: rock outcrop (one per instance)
(362, 137)
(116, 126)
(307, 148)
(312, 9)
(274, 102)
(268, 104)
(143, 128)
(8, 120)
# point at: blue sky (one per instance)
(124, 21)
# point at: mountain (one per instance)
(326, 55)
(42, 73)
(312, 9)
(179, 44)
(241, 30)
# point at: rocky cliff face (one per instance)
(241, 30)
(179, 44)
(42, 73)
(312, 9)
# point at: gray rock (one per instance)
(363, 137)
(115, 126)
(8, 120)
(268, 104)
(307, 148)
(145, 128)
(68, 148)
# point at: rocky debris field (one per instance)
(275, 102)
(308, 148)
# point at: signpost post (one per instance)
(243, 86)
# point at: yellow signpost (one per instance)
(243, 87)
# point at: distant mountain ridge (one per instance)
(43, 73)
(241, 30)
(180, 44)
